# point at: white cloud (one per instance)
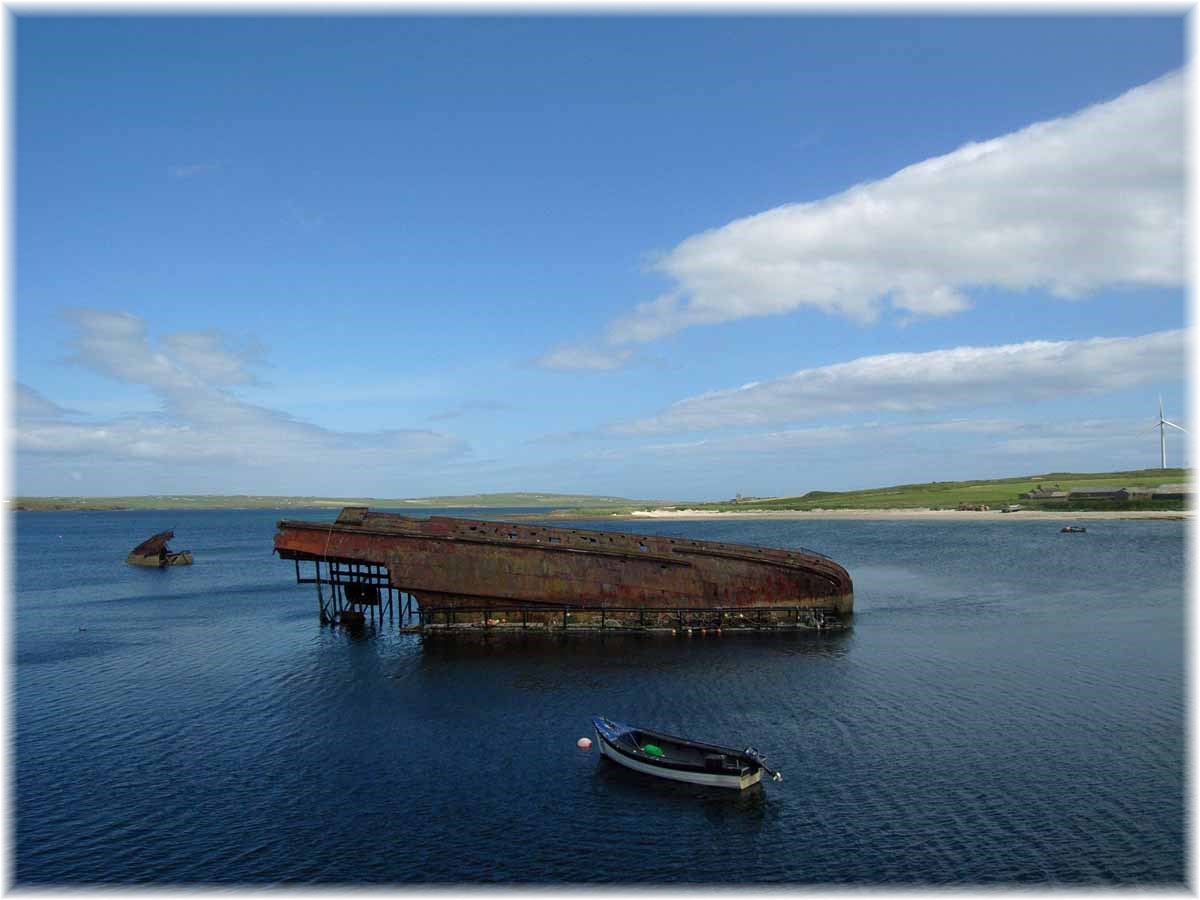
(31, 404)
(582, 356)
(1016, 442)
(1069, 205)
(201, 421)
(924, 382)
(117, 345)
(208, 355)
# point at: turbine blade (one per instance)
(1173, 425)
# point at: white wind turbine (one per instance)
(1162, 431)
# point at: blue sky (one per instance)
(406, 256)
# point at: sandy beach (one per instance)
(911, 514)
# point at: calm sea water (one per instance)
(1008, 709)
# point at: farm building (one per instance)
(1045, 493)
(1172, 492)
(1101, 493)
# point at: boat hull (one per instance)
(181, 558)
(153, 553)
(612, 749)
(451, 563)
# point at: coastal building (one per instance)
(1108, 493)
(1045, 493)
(1172, 492)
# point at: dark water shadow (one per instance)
(600, 647)
(753, 807)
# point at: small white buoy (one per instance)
(584, 744)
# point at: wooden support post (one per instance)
(320, 599)
(564, 619)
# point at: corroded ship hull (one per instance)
(153, 553)
(466, 563)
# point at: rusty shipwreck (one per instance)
(491, 573)
(153, 553)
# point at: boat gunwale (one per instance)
(745, 766)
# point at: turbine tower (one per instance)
(1162, 431)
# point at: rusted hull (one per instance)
(448, 562)
(160, 561)
(153, 553)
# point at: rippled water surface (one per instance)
(1008, 708)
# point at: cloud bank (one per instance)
(925, 382)
(201, 420)
(1069, 206)
(1000, 436)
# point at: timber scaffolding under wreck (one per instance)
(475, 574)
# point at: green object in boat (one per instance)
(652, 749)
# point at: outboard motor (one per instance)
(761, 761)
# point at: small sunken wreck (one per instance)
(154, 553)
(488, 574)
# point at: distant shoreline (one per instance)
(908, 514)
(685, 514)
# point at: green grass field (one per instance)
(932, 495)
(995, 493)
(247, 501)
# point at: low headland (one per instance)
(1128, 494)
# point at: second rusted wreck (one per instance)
(153, 553)
(451, 565)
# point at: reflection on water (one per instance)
(751, 807)
(651, 647)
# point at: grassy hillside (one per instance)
(949, 494)
(545, 501)
(246, 501)
(932, 495)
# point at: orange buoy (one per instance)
(584, 743)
